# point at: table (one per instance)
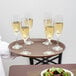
(35, 70)
(37, 50)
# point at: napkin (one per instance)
(4, 51)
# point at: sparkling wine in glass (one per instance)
(16, 28)
(47, 22)
(49, 31)
(25, 34)
(58, 27)
(29, 23)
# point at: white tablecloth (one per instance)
(2, 73)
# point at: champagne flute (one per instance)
(49, 31)
(47, 22)
(58, 26)
(25, 34)
(29, 22)
(16, 27)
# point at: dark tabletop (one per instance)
(37, 48)
(35, 70)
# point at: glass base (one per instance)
(46, 43)
(25, 52)
(29, 42)
(48, 53)
(17, 46)
(57, 48)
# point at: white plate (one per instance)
(63, 69)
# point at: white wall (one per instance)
(38, 9)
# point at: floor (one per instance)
(17, 61)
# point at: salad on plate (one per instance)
(56, 72)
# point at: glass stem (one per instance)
(57, 40)
(49, 43)
(24, 43)
(49, 40)
(16, 38)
